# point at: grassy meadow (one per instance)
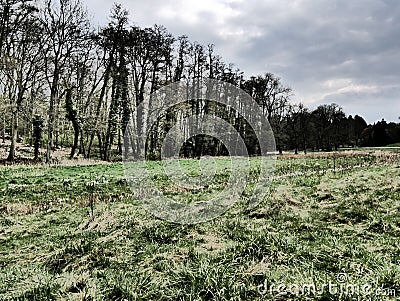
(79, 233)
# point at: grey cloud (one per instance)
(306, 43)
(383, 103)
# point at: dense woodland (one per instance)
(64, 83)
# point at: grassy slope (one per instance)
(310, 229)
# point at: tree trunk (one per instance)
(82, 144)
(37, 135)
(50, 130)
(89, 150)
(99, 138)
(14, 135)
(98, 109)
(72, 116)
(4, 129)
(14, 124)
(112, 122)
(76, 139)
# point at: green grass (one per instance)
(394, 145)
(332, 219)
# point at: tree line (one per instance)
(64, 83)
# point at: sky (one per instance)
(327, 51)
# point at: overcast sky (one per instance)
(344, 51)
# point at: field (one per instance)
(331, 222)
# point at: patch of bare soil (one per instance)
(209, 242)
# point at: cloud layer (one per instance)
(347, 52)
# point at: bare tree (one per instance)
(273, 98)
(20, 62)
(80, 83)
(327, 119)
(115, 37)
(297, 120)
(64, 23)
